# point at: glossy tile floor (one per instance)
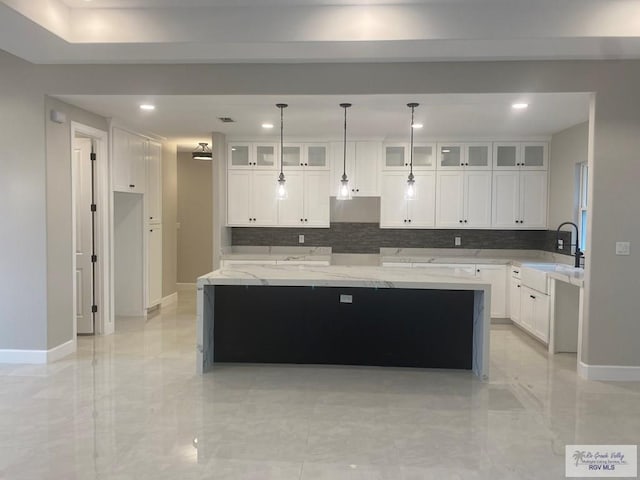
(129, 406)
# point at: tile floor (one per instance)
(130, 406)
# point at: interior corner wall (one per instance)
(568, 148)
(169, 218)
(195, 216)
(23, 234)
(221, 233)
(59, 221)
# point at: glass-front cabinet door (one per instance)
(506, 155)
(316, 156)
(239, 155)
(292, 156)
(534, 155)
(395, 156)
(450, 156)
(424, 156)
(478, 156)
(266, 155)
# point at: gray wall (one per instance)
(169, 218)
(611, 324)
(195, 215)
(568, 148)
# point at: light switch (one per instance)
(300, 238)
(458, 241)
(623, 248)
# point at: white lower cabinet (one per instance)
(514, 300)
(154, 265)
(307, 202)
(534, 313)
(496, 275)
(398, 212)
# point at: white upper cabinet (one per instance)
(396, 156)
(316, 156)
(464, 156)
(398, 212)
(519, 199)
(307, 202)
(291, 209)
(362, 168)
(292, 156)
(154, 183)
(243, 155)
(463, 199)
(129, 162)
(520, 155)
(251, 198)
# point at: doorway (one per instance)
(92, 303)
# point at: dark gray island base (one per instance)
(338, 315)
(343, 326)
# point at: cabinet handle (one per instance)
(306, 164)
(466, 164)
(306, 219)
(357, 189)
(132, 186)
(532, 297)
(405, 220)
(516, 271)
(460, 221)
(465, 221)
(518, 286)
(353, 189)
(151, 230)
(478, 270)
(409, 220)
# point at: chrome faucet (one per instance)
(578, 254)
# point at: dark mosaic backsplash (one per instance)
(369, 237)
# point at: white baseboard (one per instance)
(169, 299)
(38, 356)
(614, 373)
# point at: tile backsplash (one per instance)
(369, 238)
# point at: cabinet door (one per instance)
(541, 316)
(477, 199)
(292, 156)
(154, 183)
(533, 199)
(393, 206)
(395, 156)
(121, 161)
(337, 160)
(478, 156)
(154, 265)
(527, 300)
(514, 300)
(367, 169)
(496, 275)
(534, 155)
(264, 201)
(506, 199)
(449, 204)
(422, 208)
(138, 179)
(450, 156)
(506, 155)
(316, 199)
(291, 209)
(238, 195)
(424, 156)
(266, 156)
(316, 155)
(240, 155)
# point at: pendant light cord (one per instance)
(344, 153)
(411, 144)
(281, 106)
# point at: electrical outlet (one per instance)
(458, 241)
(623, 248)
(560, 244)
(300, 238)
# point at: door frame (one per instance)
(104, 324)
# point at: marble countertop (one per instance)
(282, 254)
(340, 276)
(450, 255)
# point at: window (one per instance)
(582, 204)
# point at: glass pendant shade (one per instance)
(410, 192)
(344, 190)
(282, 188)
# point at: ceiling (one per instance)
(205, 31)
(188, 120)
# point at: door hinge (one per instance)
(93, 156)
(94, 258)
(94, 308)
(94, 207)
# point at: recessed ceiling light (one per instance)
(417, 125)
(519, 106)
(147, 107)
(267, 125)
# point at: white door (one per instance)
(154, 187)
(533, 198)
(367, 169)
(238, 195)
(83, 234)
(506, 199)
(541, 316)
(514, 300)
(291, 209)
(154, 265)
(264, 200)
(393, 206)
(449, 205)
(496, 275)
(422, 208)
(316, 199)
(527, 299)
(477, 201)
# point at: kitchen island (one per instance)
(348, 315)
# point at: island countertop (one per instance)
(340, 276)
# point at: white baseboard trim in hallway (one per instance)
(615, 373)
(38, 356)
(169, 299)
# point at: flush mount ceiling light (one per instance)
(411, 187)
(344, 192)
(267, 125)
(520, 106)
(282, 187)
(202, 152)
(147, 107)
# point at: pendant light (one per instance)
(411, 187)
(202, 152)
(344, 192)
(282, 187)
